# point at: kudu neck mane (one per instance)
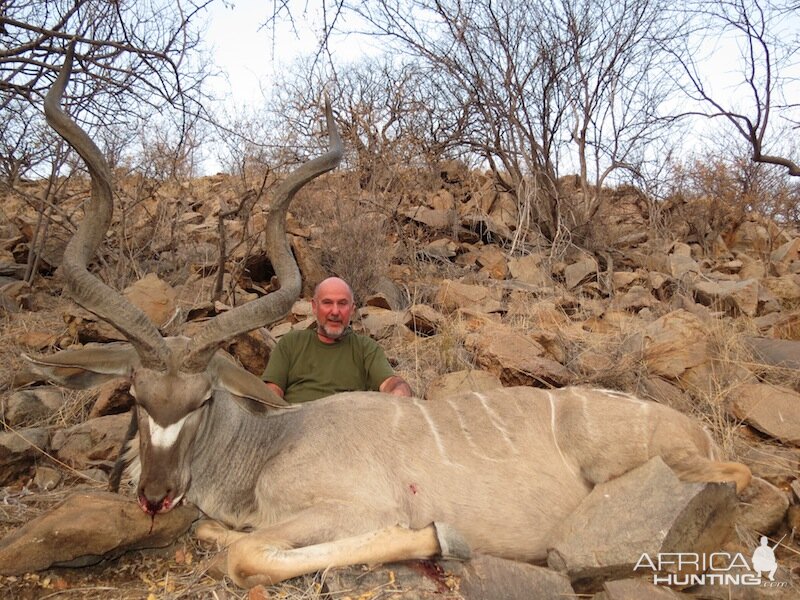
(229, 446)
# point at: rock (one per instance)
(458, 382)
(302, 309)
(647, 510)
(772, 409)
(762, 507)
(485, 228)
(19, 450)
(636, 589)
(393, 295)
(787, 252)
(493, 262)
(86, 328)
(46, 478)
(623, 279)
(635, 299)
(776, 464)
(680, 265)
(86, 528)
(437, 220)
(113, 398)
(441, 248)
(154, 297)
(675, 342)
(453, 171)
(486, 577)
(424, 320)
(542, 314)
(380, 323)
(516, 358)
(776, 353)
(83, 445)
(786, 289)
(734, 297)
(442, 200)
(751, 237)
(251, 350)
(504, 212)
(481, 578)
(664, 392)
(453, 295)
(38, 340)
(712, 379)
(530, 269)
(27, 407)
(578, 272)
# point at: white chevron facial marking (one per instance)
(165, 437)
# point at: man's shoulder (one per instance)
(363, 341)
(296, 336)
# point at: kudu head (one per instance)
(172, 379)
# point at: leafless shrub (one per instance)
(355, 249)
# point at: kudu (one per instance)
(358, 477)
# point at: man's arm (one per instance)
(396, 386)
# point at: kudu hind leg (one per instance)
(254, 560)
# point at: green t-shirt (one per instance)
(306, 368)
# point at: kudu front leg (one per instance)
(307, 543)
(254, 561)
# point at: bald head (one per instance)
(333, 307)
(333, 285)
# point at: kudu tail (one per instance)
(699, 469)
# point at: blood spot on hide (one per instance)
(413, 488)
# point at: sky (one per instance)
(244, 51)
(248, 55)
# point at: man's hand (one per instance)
(396, 386)
(274, 388)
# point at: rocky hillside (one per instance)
(687, 304)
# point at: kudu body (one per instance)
(357, 477)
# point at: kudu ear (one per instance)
(87, 367)
(252, 393)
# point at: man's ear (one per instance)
(243, 384)
(86, 367)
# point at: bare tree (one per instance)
(135, 62)
(141, 48)
(760, 108)
(24, 141)
(543, 87)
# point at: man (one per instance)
(313, 363)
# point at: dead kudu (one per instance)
(357, 477)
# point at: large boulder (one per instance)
(516, 358)
(19, 451)
(458, 382)
(86, 528)
(648, 510)
(772, 409)
(453, 295)
(154, 297)
(672, 344)
(97, 440)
